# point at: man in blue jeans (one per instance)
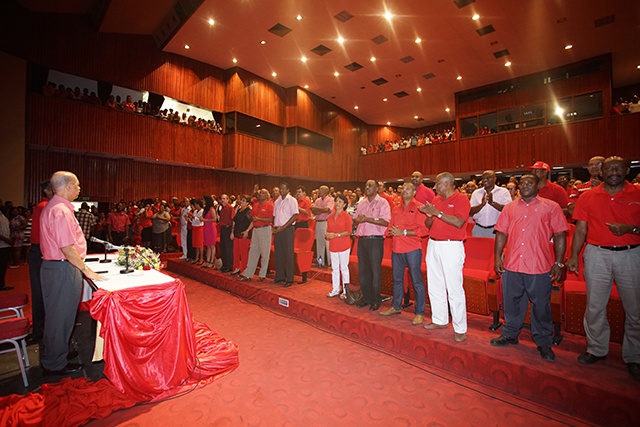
(407, 229)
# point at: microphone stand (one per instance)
(105, 256)
(126, 269)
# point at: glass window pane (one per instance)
(488, 124)
(506, 117)
(587, 106)
(559, 111)
(468, 126)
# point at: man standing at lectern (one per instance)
(63, 250)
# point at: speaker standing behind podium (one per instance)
(63, 248)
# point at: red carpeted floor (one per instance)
(294, 371)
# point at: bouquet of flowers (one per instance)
(140, 258)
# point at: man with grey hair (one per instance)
(447, 219)
(63, 249)
(321, 208)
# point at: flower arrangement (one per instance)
(140, 258)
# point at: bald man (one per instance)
(423, 193)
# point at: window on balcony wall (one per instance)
(559, 111)
(509, 120)
(469, 126)
(314, 140)
(488, 123)
(532, 115)
(588, 106)
(241, 123)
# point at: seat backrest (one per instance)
(303, 239)
(470, 225)
(479, 253)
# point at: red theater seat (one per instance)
(14, 331)
(479, 274)
(12, 305)
(303, 251)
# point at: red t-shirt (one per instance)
(408, 218)
(597, 207)
(424, 194)
(305, 204)
(530, 226)
(457, 205)
(146, 220)
(118, 221)
(35, 221)
(553, 191)
(226, 215)
(341, 225)
(264, 210)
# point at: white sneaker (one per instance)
(183, 257)
(333, 294)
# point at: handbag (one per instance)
(354, 296)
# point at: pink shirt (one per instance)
(378, 208)
(529, 227)
(59, 228)
(283, 209)
(327, 202)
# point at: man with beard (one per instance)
(608, 219)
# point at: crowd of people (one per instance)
(128, 105)
(523, 217)
(415, 140)
(622, 106)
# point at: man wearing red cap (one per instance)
(548, 189)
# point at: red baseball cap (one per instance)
(540, 165)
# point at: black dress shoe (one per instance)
(634, 370)
(362, 303)
(503, 341)
(286, 285)
(547, 354)
(273, 282)
(589, 359)
(374, 307)
(67, 370)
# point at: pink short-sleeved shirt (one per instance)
(59, 228)
(377, 208)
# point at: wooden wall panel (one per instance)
(63, 123)
(252, 154)
(255, 96)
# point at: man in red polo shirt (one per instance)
(63, 250)
(528, 271)
(118, 225)
(385, 196)
(260, 249)
(35, 261)
(608, 218)
(407, 230)
(304, 208)
(423, 193)
(447, 220)
(548, 189)
(595, 172)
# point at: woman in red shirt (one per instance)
(339, 226)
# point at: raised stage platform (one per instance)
(602, 394)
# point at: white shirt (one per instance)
(488, 215)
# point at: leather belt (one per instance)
(446, 240)
(370, 237)
(321, 220)
(262, 226)
(485, 227)
(617, 248)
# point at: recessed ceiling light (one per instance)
(258, 125)
(336, 73)
(388, 123)
(372, 59)
(447, 109)
(418, 40)
(274, 74)
(299, 17)
(235, 61)
(569, 46)
(507, 64)
(355, 108)
(415, 117)
(384, 99)
(186, 46)
(263, 42)
(388, 16)
(211, 21)
(419, 89)
(638, 67)
(303, 59)
(306, 86)
(340, 39)
(475, 17)
(459, 78)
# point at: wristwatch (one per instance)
(440, 215)
(404, 232)
(559, 264)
